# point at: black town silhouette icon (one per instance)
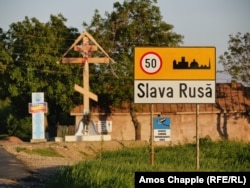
(183, 64)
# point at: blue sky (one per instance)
(202, 22)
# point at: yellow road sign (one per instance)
(175, 63)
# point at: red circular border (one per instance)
(147, 54)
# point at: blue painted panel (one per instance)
(38, 125)
(161, 122)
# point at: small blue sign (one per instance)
(162, 130)
(161, 123)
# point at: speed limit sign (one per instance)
(151, 63)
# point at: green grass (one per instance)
(116, 168)
(3, 136)
(38, 151)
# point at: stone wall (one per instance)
(183, 126)
(228, 118)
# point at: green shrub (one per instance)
(21, 128)
(5, 110)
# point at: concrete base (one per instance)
(59, 139)
(87, 138)
(73, 138)
(38, 140)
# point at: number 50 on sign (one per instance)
(151, 63)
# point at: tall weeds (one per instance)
(116, 168)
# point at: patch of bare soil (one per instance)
(70, 153)
(12, 139)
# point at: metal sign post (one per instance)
(152, 153)
(197, 139)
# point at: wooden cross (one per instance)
(86, 50)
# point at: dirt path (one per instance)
(70, 153)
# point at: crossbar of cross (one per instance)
(86, 50)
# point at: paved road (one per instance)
(11, 167)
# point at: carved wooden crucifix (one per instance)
(86, 49)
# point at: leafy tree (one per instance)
(28, 56)
(236, 60)
(35, 48)
(5, 59)
(5, 103)
(132, 23)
